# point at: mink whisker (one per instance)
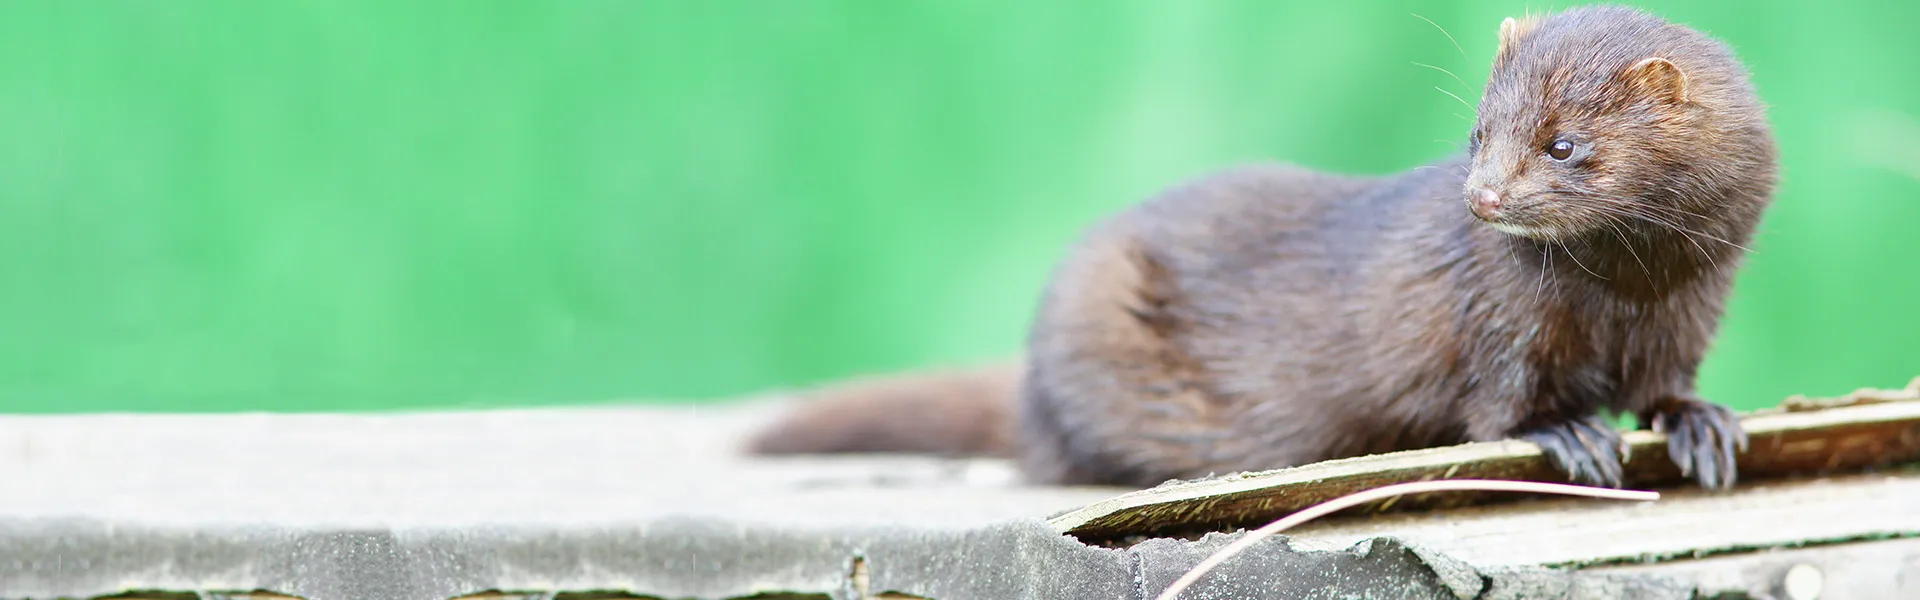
(1443, 31)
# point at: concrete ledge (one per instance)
(619, 502)
(706, 559)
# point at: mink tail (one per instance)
(948, 412)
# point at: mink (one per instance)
(1572, 261)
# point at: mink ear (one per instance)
(1510, 32)
(1658, 78)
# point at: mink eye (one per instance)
(1560, 150)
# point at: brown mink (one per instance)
(1575, 259)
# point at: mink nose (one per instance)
(1484, 203)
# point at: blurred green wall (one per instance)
(352, 205)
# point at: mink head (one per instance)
(1611, 121)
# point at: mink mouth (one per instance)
(1531, 226)
(1526, 231)
(1525, 217)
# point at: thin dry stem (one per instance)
(1363, 497)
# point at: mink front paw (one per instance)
(1587, 449)
(1702, 438)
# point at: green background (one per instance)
(356, 205)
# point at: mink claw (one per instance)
(1704, 439)
(1587, 450)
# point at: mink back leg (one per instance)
(1109, 397)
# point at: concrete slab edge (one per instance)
(710, 559)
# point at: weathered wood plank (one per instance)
(1879, 569)
(1685, 522)
(1865, 429)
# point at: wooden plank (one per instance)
(1877, 569)
(1865, 429)
(1684, 523)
